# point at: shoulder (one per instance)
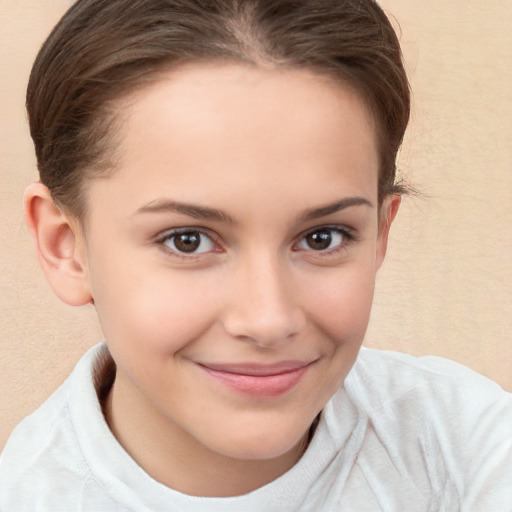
(430, 381)
(43, 453)
(442, 420)
(439, 391)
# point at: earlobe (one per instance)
(59, 246)
(387, 214)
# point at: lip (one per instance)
(258, 380)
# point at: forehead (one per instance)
(206, 128)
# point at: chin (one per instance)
(265, 444)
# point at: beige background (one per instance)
(446, 287)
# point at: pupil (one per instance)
(319, 240)
(187, 242)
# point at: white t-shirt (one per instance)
(403, 434)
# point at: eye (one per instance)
(188, 242)
(324, 239)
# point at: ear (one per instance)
(389, 209)
(60, 248)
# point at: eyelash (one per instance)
(346, 234)
(347, 237)
(173, 234)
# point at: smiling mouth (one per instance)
(258, 380)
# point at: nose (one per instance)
(264, 308)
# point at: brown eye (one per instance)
(189, 242)
(323, 239)
(319, 240)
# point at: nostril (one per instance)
(265, 329)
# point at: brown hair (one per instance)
(104, 49)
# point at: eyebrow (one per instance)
(206, 213)
(192, 210)
(329, 209)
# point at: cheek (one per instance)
(341, 305)
(158, 311)
(338, 309)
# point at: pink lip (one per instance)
(257, 380)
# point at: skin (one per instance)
(266, 150)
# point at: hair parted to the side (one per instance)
(102, 50)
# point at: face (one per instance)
(232, 256)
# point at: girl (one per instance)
(218, 179)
